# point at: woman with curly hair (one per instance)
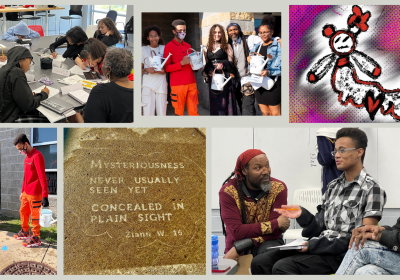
(154, 83)
(219, 57)
(107, 32)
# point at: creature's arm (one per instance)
(366, 64)
(320, 68)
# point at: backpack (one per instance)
(129, 26)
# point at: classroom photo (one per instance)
(305, 201)
(211, 64)
(67, 63)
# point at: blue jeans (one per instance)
(373, 259)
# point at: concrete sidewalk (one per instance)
(16, 252)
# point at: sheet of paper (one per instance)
(71, 80)
(74, 87)
(59, 58)
(297, 242)
(78, 70)
(53, 116)
(53, 91)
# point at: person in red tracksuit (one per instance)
(34, 193)
(182, 79)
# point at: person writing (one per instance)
(219, 60)
(112, 102)
(182, 79)
(75, 39)
(16, 96)
(107, 32)
(154, 83)
(20, 31)
(34, 193)
(352, 200)
(247, 202)
(93, 54)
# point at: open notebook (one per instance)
(53, 91)
(295, 245)
(53, 116)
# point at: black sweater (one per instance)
(106, 40)
(72, 50)
(391, 237)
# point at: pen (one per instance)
(80, 58)
(288, 209)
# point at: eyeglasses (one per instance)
(341, 151)
(264, 33)
(32, 63)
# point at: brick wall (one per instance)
(12, 170)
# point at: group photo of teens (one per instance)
(214, 64)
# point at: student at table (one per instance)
(93, 54)
(16, 96)
(107, 32)
(75, 39)
(20, 31)
(112, 102)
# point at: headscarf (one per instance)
(14, 55)
(233, 24)
(243, 159)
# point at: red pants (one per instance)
(185, 94)
(30, 206)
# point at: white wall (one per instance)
(291, 152)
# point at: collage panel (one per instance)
(286, 201)
(135, 201)
(67, 63)
(28, 204)
(344, 64)
(211, 64)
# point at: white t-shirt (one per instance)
(156, 82)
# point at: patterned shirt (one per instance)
(261, 224)
(346, 205)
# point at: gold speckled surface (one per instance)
(134, 201)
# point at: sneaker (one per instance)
(32, 241)
(22, 235)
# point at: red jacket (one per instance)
(35, 180)
(262, 221)
(180, 75)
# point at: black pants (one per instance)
(266, 244)
(250, 107)
(292, 262)
(238, 95)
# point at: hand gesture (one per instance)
(264, 73)
(232, 254)
(248, 59)
(364, 233)
(292, 214)
(305, 249)
(109, 32)
(54, 54)
(150, 70)
(185, 60)
(283, 223)
(3, 58)
(162, 72)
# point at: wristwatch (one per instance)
(144, 72)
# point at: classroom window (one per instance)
(100, 11)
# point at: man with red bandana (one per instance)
(247, 202)
(34, 193)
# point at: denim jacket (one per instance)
(274, 65)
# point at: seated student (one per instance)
(20, 31)
(352, 200)
(107, 33)
(75, 39)
(112, 102)
(93, 54)
(16, 96)
(247, 202)
(379, 255)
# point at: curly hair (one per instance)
(94, 48)
(268, 20)
(223, 41)
(120, 61)
(110, 25)
(146, 33)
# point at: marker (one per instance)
(288, 209)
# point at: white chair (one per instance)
(90, 30)
(308, 199)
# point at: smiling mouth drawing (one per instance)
(343, 47)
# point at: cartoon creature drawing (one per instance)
(344, 81)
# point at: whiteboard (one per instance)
(292, 156)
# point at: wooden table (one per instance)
(20, 10)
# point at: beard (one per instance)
(266, 186)
(234, 39)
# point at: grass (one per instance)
(14, 225)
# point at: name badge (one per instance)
(61, 71)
